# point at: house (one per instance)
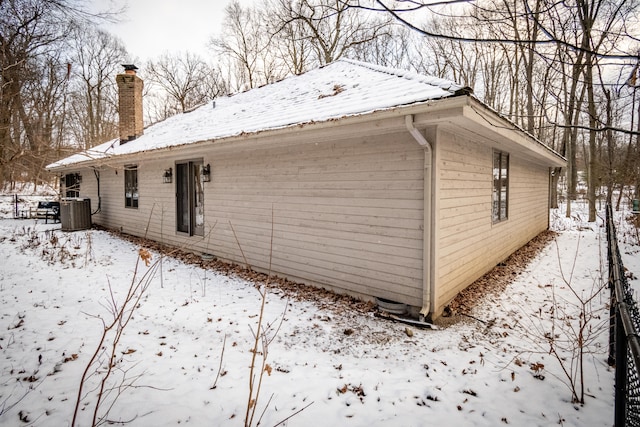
(362, 179)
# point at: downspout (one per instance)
(428, 292)
(549, 200)
(96, 172)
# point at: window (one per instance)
(131, 186)
(190, 198)
(72, 185)
(500, 186)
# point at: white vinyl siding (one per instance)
(347, 214)
(469, 243)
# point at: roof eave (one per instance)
(481, 113)
(398, 112)
(432, 112)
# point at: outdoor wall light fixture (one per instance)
(206, 173)
(167, 178)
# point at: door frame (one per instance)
(193, 201)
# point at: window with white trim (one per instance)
(131, 186)
(500, 209)
(72, 184)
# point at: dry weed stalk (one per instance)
(104, 367)
(88, 255)
(263, 336)
(568, 330)
(580, 337)
(246, 263)
(259, 338)
(260, 346)
(215, 382)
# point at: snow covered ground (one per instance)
(193, 329)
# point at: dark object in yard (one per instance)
(391, 307)
(416, 323)
(47, 210)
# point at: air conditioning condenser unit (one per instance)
(75, 214)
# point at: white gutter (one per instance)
(428, 292)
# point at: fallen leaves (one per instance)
(357, 390)
(145, 256)
(537, 368)
(71, 358)
(30, 379)
(326, 299)
(337, 89)
(497, 280)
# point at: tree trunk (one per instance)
(553, 191)
(593, 172)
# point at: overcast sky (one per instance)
(150, 27)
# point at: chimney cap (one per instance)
(129, 67)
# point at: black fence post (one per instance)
(611, 360)
(626, 338)
(621, 374)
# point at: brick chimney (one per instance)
(130, 103)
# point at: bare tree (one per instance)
(184, 77)
(242, 43)
(630, 171)
(453, 59)
(213, 83)
(332, 27)
(33, 79)
(28, 30)
(290, 44)
(395, 47)
(570, 39)
(261, 45)
(96, 58)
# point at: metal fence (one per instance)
(18, 205)
(624, 343)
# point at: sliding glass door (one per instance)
(189, 198)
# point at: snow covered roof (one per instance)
(342, 88)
